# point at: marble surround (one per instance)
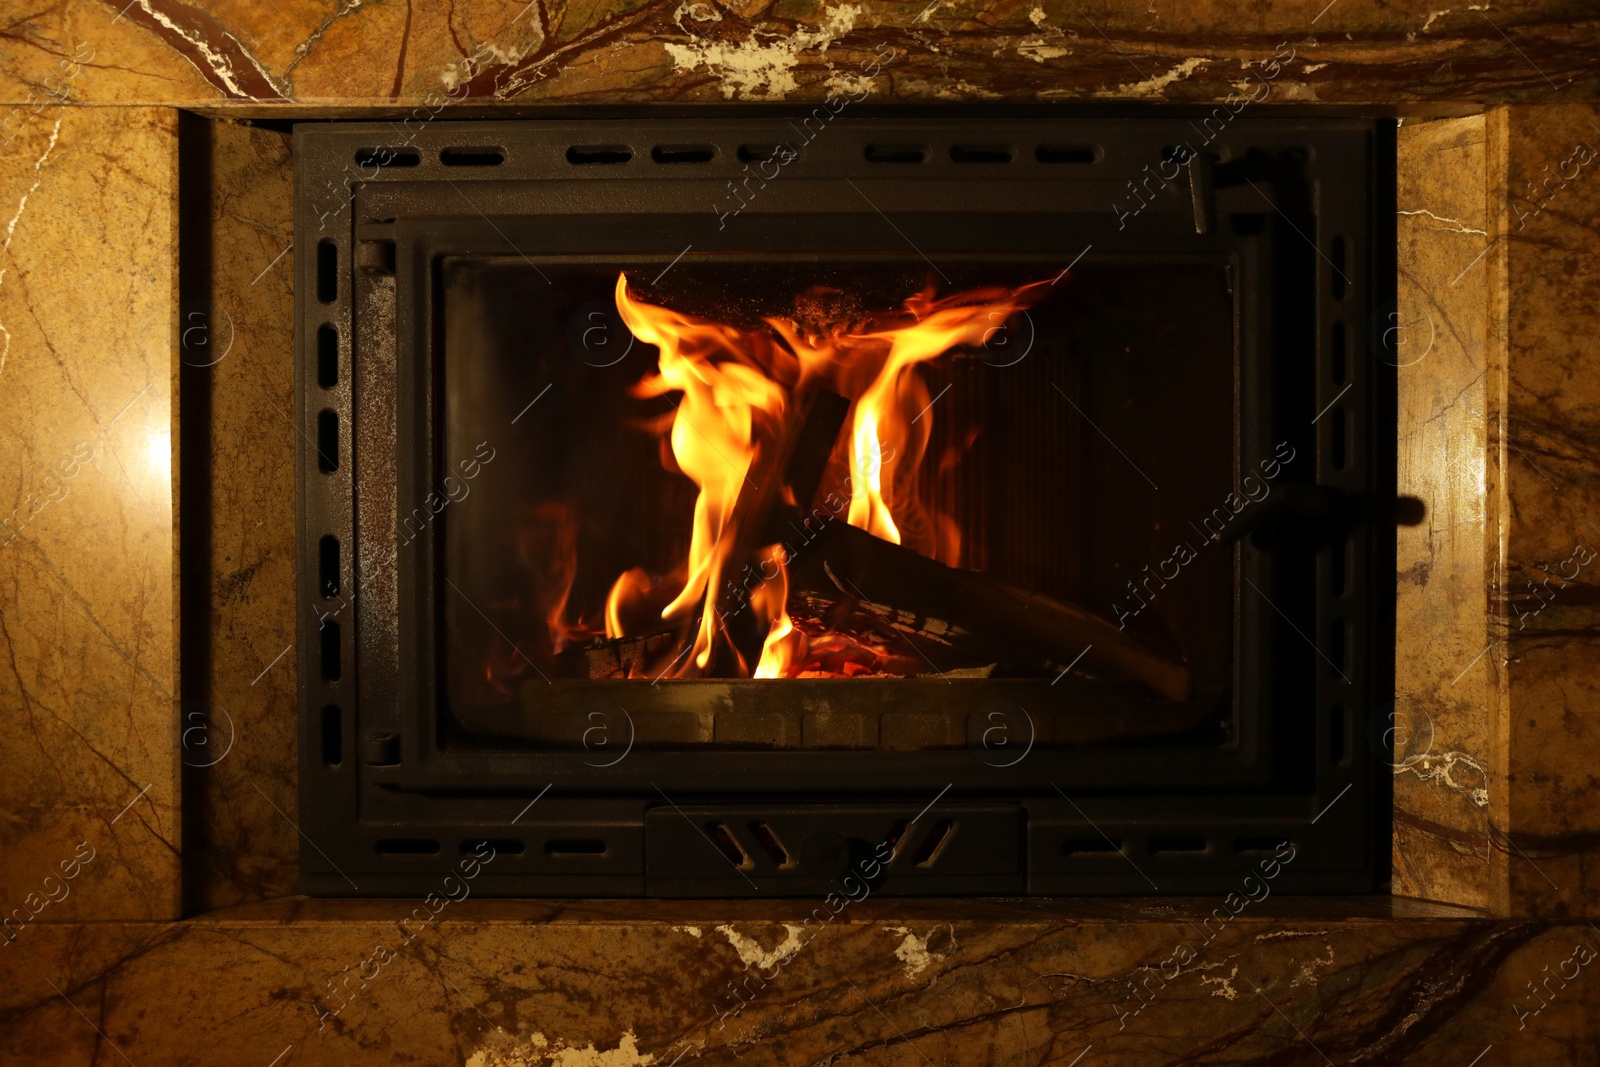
(1544, 481)
(88, 675)
(1496, 805)
(1495, 789)
(902, 983)
(1444, 693)
(258, 56)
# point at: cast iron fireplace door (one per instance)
(998, 503)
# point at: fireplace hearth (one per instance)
(715, 507)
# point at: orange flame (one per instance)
(630, 589)
(885, 411)
(548, 545)
(784, 644)
(735, 390)
(728, 402)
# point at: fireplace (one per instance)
(730, 506)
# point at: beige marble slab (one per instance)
(876, 983)
(1545, 424)
(1445, 675)
(322, 53)
(89, 764)
(1498, 687)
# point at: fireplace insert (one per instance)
(765, 504)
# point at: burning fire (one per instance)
(883, 417)
(731, 400)
(738, 396)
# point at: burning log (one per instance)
(810, 450)
(796, 459)
(634, 656)
(849, 638)
(915, 605)
(986, 617)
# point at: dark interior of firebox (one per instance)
(1063, 479)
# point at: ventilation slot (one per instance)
(1257, 846)
(472, 157)
(387, 157)
(327, 272)
(586, 154)
(981, 154)
(761, 153)
(327, 441)
(330, 650)
(328, 564)
(1065, 153)
(1337, 443)
(723, 838)
(408, 846)
(1091, 846)
(1337, 369)
(327, 356)
(683, 153)
(1337, 257)
(773, 846)
(895, 153)
(897, 834)
(587, 846)
(934, 844)
(502, 846)
(1177, 846)
(332, 735)
(1337, 725)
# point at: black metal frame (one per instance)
(381, 206)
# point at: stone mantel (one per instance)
(147, 175)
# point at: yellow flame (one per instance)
(722, 395)
(784, 644)
(883, 419)
(629, 589)
(734, 390)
